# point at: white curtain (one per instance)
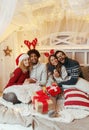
(7, 8)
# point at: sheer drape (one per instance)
(7, 8)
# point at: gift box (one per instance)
(42, 102)
(54, 90)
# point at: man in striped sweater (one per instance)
(72, 66)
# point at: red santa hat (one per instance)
(21, 57)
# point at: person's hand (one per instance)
(11, 75)
(26, 81)
(56, 74)
(32, 80)
(54, 84)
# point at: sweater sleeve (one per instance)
(75, 72)
(43, 79)
(64, 73)
(14, 78)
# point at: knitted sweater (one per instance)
(17, 78)
(63, 77)
(39, 72)
(74, 70)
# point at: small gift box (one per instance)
(54, 90)
(42, 102)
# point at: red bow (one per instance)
(29, 44)
(47, 54)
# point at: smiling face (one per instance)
(53, 60)
(26, 62)
(33, 59)
(61, 57)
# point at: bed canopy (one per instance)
(65, 22)
(42, 17)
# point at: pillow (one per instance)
(81, 84)
(76, 99)
(85, 70)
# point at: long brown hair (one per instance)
(58, 67)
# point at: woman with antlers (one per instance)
(56, 74)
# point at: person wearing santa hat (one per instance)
(19, 75)
(21, 72)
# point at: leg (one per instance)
(11, 97)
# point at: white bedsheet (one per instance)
(66, 115)
(16, 127)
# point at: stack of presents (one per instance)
(42, 101)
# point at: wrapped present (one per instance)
(54, 90)
(42, 102)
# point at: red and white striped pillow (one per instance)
(76, 99)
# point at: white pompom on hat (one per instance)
(21, 57)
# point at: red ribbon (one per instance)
(42, 97)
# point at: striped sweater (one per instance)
(73, 69)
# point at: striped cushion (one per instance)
(76, 99)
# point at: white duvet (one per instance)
(16, 127)
(25, 112)
(23, 92)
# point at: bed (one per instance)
(73, 117)
(21, 116)
(69, 119)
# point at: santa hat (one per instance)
(21, 57)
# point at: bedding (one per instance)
(23, 92)
(16, 127)
(15, 114)
(24, 115)
(76, 99)
(81, 84)
(43, 121)
(69, 119)
(44, 124)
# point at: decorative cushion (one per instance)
(76, 99)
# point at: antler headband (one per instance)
(47, 54)
(31, 44)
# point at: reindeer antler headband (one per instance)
(47, 54)
(31, 44)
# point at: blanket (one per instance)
(23, 92)
(66, 115)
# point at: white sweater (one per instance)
(64, 77)
(39, 72)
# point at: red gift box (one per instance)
(54, 90)
(42, 102)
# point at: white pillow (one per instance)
(76, 99)
(81, 84)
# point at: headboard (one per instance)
(75, 47)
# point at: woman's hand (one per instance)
(56, 74)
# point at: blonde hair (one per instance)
(23, 67)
